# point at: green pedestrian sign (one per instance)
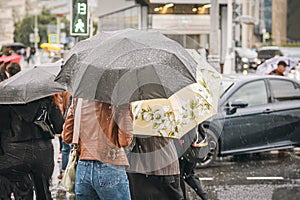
(79, 23)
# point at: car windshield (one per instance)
(269, 53)
(245, 52)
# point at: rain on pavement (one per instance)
(265, 176)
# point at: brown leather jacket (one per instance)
(104, 130)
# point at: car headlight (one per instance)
(245, 60)
(258, 61)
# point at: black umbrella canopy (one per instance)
(127, 65)
(14, 46)
(31, 84)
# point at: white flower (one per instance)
(161, 131)
(147, 116)
(171, 116)
(158, 116)
(170, 124)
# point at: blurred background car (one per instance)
(267, 52)
(256, 113)
(245, 58)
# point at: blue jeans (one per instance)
(97, 180)
(65, 155)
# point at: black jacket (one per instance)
(18, 120)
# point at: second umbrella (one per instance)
(31, 84)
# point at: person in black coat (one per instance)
(188, 164)
(26, 154)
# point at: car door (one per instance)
(285, 127)
(244, 128)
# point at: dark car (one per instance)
(268, 52)
(245, 59)
(255, 114)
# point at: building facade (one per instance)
(190, 22)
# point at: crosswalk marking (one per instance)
(249, 178)
(206, 179)
(265, 178)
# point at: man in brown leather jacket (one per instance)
(104, 131)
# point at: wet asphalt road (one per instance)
(266, 176)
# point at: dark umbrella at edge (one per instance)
(31, 84)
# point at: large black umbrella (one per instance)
(127, 65)
(31, 84)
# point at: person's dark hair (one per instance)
(2, 76)
(282, 63)
(13, 68)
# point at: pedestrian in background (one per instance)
(13, 68)
(281, 66)
(32, 55)
(3, 70)
(279, 71)
(2, 77)
(104, 131)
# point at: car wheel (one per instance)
(213, 149)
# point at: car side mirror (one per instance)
(239, 103)
(232, 107)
